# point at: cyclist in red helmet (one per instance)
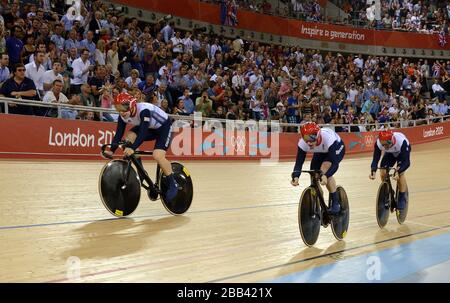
(328, 149)
(150, 123)
(396, 149)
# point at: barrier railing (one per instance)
(275, 125)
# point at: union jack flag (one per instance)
(442, 39)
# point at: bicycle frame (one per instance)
(151, 187)
(387, 179)
(315, 177)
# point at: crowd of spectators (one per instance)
(309, 10)
(424, 16)
(92, 52)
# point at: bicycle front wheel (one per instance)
(309, 216)
(119, 199)
(383, 204)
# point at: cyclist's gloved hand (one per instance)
(128, 151)
(107, 154)
(372, 175)
(294, 178)
(396, 176)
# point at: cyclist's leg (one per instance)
(403, 160)
(331, 182)
(317, 160)
(388, 160)
(131, 136)
(163, 139)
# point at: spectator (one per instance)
(35, 71)
(19, 87)
(370, 14)
(177, 43)
(293, 108)
(168, 31)
(204, 105)
(69, 18)
(438, 90)
(133, 80)
(14, 45)
(219, 114)
(256, 104)
(97, 82)
(81, 68)
(87, 115)
(86, 97)
(150, 60)
(216, 93)
(95, 25)
(54, 95)
(161, 94)
(148, 86)
(57, 38)
(232, 112)
(28, 49)
(278, 113)
(180, 109)
(188, 105)
(238, 44)
(100, 56)
(439, 108)
(51, 75)
(419, 111)
(4, 70)
(89, 44)
(165, 106)
(112, 56)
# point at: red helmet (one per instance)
(125, 102)
(309, 131)
(386, 137)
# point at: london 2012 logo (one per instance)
(363, 141)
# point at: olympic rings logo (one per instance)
(369, 140)
(238, 143)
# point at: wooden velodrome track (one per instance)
(242, 226)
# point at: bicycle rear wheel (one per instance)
(383, 204)
(339, 223)
(401, 215)
(309, 216)
(118, 199)
(183, 200)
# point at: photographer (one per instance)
(204, 105)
